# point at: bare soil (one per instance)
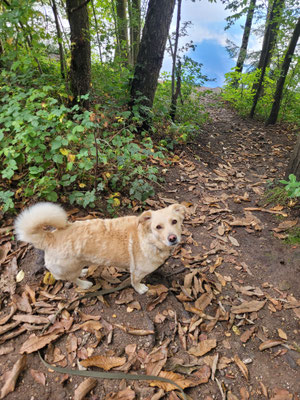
(223, 310)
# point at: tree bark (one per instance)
(151, 52)
(283, 73)
(267, 48)
(80, 68)
(294, 164)
(97, 30)
(175, 93)
(134, 7)
(122, 35)
(247, 29)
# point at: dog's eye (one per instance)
(158, 227)
(174, 222)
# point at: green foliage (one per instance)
(238, 92)
(53, 152)
(190, 112)
(292, 186)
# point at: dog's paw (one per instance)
(83, 284)
(141, 288)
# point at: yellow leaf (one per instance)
(82, 185)
(64, 152)
(10, 40)
(116, 202)
(48, 279)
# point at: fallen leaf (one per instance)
(38, 376)
(285, 225)
(282, 334)
(4, 250)
(268, 344)
(248, 306)
(11, 377)
(84, 388)
(31, 319)
(125, 394)
(20, 276)
(195, 379)
(156, 360)
(233, 241)
(242, 366)
(6, 350)
(104, 362)
(281, 394)
(203, 347)
(34, 343)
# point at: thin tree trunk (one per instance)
(151, 52)
(244, 46)
(59, 40)
(174, 57)
(284, 70)
(97, 30)
(267, 49)
(122, 34)
(80, 68)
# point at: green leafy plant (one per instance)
(292, 186)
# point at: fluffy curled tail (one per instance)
(30, 224)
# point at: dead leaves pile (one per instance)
(195, 347)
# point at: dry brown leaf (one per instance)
(6, 350)
(104, 362)
(248, 306)
(8, 316)
(281, 394)
(34, 343)
(247, 334)
(285, 225)
(38, 376)
(195, 379)
(269, 343)
(31, 319)
(88, 326)
(242, 366)
(4, 250)
(22, 303)
(233, 241)
(282, 334)
(203, 347)
(125, 394)
(84, 388)
(156, 360)
(8, 327)
(11, 377)
(203, 301)
(231, 396)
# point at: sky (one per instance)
(207, 32)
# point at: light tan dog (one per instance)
(139, 244)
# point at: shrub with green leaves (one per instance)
(53, 152)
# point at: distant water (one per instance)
(215, 59)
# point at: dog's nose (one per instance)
(172, 239)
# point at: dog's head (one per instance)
(164, 225)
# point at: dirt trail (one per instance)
(222, 316)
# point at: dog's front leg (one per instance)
(136, 278)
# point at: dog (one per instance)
(139, 244)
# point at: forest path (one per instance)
(221, 316)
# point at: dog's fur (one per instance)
(139, 244)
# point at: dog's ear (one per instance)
(179, 209)
(145, 218)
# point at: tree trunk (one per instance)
(267, 48)
(97, 30)
(59, 40)
(122, 35)
(151, 52)
(294, 164)
(283, 73)
(134, 7)
(174, 62)
(80, 68)
(243, 50)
